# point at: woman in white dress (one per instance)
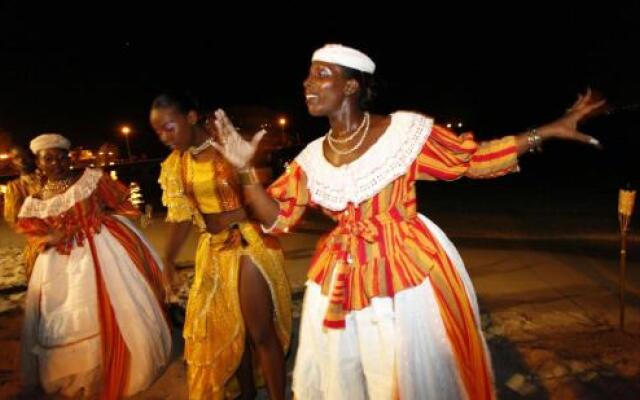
(94, 319)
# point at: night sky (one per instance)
(85, 70)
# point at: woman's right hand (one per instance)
(231, 145)
(53, 239)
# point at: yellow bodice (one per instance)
(210, 182)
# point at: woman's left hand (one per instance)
(566, 127)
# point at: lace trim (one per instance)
(389, 158)
(58, 204)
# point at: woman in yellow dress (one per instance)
(29, 182)
(240, 298)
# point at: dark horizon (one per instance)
(500, 70)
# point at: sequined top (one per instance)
(193, 187)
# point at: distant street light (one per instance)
(126, 130)
(282, 121)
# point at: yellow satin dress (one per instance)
(214, 330)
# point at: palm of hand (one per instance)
(238, 151)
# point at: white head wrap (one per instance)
(345, 56)
(49, 141)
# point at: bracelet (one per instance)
(535, 141)
(248, 177)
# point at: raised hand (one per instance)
(566, 127)
(231, 145)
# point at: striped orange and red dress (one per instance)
(379, 246)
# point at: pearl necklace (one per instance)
(356, 146)
(203, 146)
(349, 138)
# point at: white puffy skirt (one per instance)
(61, 345)
(393, 348)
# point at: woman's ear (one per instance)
(351, 87)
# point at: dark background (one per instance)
(85, 69)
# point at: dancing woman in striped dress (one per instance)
(389, 310)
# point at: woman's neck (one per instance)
(61, 177)
(199, 136)
(346, 120)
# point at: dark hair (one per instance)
(182, 102)
(368, 86)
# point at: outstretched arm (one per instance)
(447, 156)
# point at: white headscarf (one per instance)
(345, 56)
(49, 141)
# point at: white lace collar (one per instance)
(390, 157)
(56, 205)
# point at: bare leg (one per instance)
(245, 374)
(257, 311)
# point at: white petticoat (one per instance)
(61, 334)
(394, 346)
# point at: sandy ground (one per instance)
(549, 302)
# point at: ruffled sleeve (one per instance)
(36, 231)
(291, 193)
(180, 207)
(115, 196)
(447, 156)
